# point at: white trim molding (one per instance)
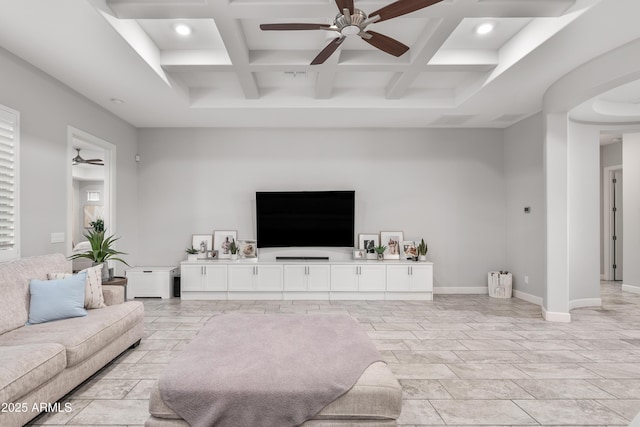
(551, 316)
(585, 302)
(527, 297)
(631, 288)
(458, 290)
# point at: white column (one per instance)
(556, 297)
(583, 189)
(631, 212)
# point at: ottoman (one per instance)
(275, 370)
(374, 401)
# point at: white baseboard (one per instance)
(552, 316)
(585, 302)
(527, 297)
(454, 290)
(631, 288)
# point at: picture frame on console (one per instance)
(222, 240)
(392, 240)
(248, 248)
(203, 243)
(359, 254)
(409, 250)
(367, 242)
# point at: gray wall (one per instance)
(444, 185)
(631, 210)
(46, 109)
(610, 155)
(524, 182)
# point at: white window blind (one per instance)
(9, 195)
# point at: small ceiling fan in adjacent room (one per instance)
(353, 22)
(78, 160)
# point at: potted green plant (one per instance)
(101, 250)
(422, 251)
(233, 248)
(192, 254)
(380, 251)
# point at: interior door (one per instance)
(616, 227)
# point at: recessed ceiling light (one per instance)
(485, 28)
(117, 101)
(183, 29)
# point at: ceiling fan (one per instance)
(78, 160)
(351, 21)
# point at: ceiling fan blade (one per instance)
(292, 27)
(402, 7)
(345, 4)
(92, 160)
(386, 43)
(328, 51)
(95, 163)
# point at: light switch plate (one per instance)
(57, 237)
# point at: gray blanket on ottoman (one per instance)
(248, 370)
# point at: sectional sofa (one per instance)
(41, 363)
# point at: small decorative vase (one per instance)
(234, 257)
(380, 257)
(192, 257)
(105, 272)
(422, 258)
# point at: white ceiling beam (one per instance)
(327, 72)
(167, 9)
(429, 42)
(298, 60)
(234, 40)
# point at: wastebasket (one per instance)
(500, 284)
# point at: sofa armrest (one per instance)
(113, 294)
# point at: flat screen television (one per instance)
(305, 218)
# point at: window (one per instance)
(93, 196)
(9, 188)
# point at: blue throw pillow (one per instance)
(57, 299)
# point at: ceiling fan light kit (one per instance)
(351, 22)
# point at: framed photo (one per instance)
(367, 242)
(248, 248)
(409, 250)
(392, 240)
(359, 254)
(202, 242)
(222, 240)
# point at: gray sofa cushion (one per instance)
(25, 367)
(14, 286)
(80, 336)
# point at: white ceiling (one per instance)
(229, 72)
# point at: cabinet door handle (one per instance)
(411, 270)
(257, 270)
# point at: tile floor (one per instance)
(461, 360)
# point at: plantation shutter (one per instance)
(9, 144)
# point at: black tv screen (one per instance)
(305, 218)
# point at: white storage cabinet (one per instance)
(150, 282)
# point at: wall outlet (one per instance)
(526, 279)
(57, 237)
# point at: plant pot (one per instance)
(105, 271)
(380, 257)
(422, 258)
(192, 257)
(234, 257)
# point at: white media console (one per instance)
(311, 280)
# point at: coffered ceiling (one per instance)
(229, 73)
